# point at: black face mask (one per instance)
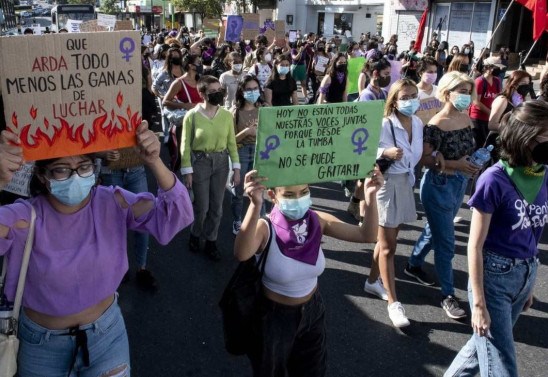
(176, 61)
(341, 67)
(523, 89)
(383, 81)
(321, 49)
(216, 98)
(540, 153)
(496, 71)
(199, 69)
(463, 68)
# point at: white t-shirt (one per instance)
(262, 72)
(230, 82)
(424, 95)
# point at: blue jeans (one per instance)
(247, 155)
(507, 284)
(134, 180)
(50, 353)
(441, 196)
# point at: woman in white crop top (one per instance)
(290, 322)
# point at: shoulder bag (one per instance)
(384, 162)
(9, 343)
(239, 301)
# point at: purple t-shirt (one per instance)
(79, 259)
(515, 227)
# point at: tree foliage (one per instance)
(109, 7)
(92, 2)
(206, 8)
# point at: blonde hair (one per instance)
(450, 81)
(392, 97)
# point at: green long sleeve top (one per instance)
(210, 135)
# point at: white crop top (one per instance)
(287, 276)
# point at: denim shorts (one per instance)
(54, 353)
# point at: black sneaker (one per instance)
(212, 251)
(146, 281)
(452, 308)
(194, 244)
(418, 274)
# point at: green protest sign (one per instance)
(317, 143)
(355, 66)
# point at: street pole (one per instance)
(488, 43)
(172, 14)
(522, 62)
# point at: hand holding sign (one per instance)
(254, 188)
(11, 157)
(148, 144)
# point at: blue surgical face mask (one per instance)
(252, 96)
(408, 107)
(294, 209)
(72, 191)
(462, 101)
(283, 70)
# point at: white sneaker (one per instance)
(396, 312)
(457, 219)
(377, 289)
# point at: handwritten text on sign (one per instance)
(70, 94)
(317, 143)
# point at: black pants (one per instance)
(291, 340)
(480, 129)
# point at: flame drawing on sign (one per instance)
(33, 133)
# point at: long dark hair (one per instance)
(274, 75)
(332, 69)
(513, 82)
(239, 101)
(168, 65)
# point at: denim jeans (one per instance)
(50, 353)
(210, 173)
(291, 340)
(441, 196)
(507, 284)
(134, 180)
(247, 155)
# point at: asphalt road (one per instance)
(178, 330)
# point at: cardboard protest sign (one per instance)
(73, 26)
(71, 94)
(234, 25)
(292, 36)
(123, 25)
(107, 20)
(428, 108)
(129, 158)
(93, 25)
(211, 23)
(321, 64)
(19, 184)
(251, 25)
(279, 29)
(355, 66)
(317, 143)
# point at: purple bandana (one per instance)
(340, 77)
(298, 239)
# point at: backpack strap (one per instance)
(262, 258)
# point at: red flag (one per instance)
(540, 18)
(420, 30)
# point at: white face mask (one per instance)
(237, 68)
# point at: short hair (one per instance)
(377, 65)
(28, 31)
(230, 58)
(450, 81)
(519, 129)
(36, 186)
(205, 81)
(392, 97)
(424, 63)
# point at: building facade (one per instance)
(7, 15)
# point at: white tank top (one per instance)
(287, 276)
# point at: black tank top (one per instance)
(336, 90)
